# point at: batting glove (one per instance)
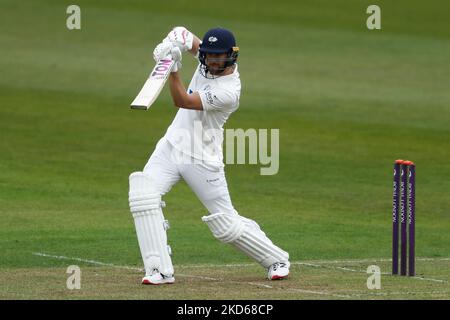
(176, 57)
(180, 37)
(162, 50)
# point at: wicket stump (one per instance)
(403, 190)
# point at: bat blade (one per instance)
(153, 85)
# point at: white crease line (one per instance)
(112, 265)
(217, 265)
(429, 279)
(332, 267)
(198, 277)
(371, 260)
(323, 265)
(259, 285)
(364, 271)
(134, 268)
(59, 257)
(307, 262)
(249, 264)
(397, 293)
(318, 292)
(87, 261)
(308, 291)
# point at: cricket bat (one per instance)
(154, 84)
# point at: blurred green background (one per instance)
(348, 102)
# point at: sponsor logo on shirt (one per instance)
(209, 97)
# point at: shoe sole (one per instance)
(278, 277)
(146, 282)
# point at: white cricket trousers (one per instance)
(165, 169)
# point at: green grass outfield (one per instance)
(348, 102)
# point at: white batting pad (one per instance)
(246, 235)
(145, 206)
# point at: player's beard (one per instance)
(216, 69)
(213, 69)
(216, 66)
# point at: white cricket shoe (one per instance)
(278, 270)
(157, 278)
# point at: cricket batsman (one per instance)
(192, 149)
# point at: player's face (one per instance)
(216, 62)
